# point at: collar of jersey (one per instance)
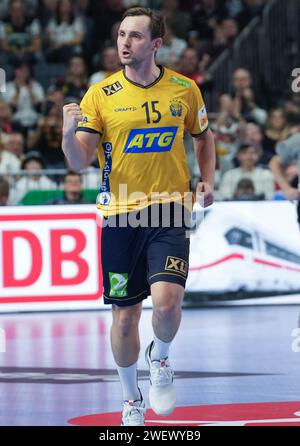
(162, 71)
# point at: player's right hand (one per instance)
(71, 116)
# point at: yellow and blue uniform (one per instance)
(141, 148)
(141, 143)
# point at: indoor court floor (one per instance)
(233, 366)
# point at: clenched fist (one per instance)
(204, 194)
(71, 116)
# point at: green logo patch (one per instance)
(118, 284)
(181, 82)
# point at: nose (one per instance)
(126, 42)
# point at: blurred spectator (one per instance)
(227, 115)
(229, 29)
(76, 83)
(4, 192)
(252, 135)
(277, 129)
(24, 95)
(47, 137)
(248, 157)
(251, 9)
(244, 104)
(170, 52)
(72, 190)
(291, 174)
(205, 16)
(65, 33)
(110, 63)
(8, 161)
(189, 66)
(32, 162)
(19, 35)
(30, 6)
(106, 13)
(14, 143)
(224, 34)
(287, 152)
(178, 20)
(6, 123)
(110, 40)
(227, 128)
(291, 108)
(47, 11)
(245, 191)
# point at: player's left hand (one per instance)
(204, 194)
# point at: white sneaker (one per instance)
(162, 393)
(134, 413)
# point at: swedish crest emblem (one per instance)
(176, 108)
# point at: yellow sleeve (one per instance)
(90, 108)
(196, 120)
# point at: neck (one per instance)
(72, 196)
(144, 74)
(247, 168)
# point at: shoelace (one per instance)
(161, 376)
(134, 412)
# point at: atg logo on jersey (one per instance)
(113, 88)
(159, 139)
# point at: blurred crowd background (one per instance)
(241, 54)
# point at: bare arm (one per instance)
(79, 148)
(204, 147)
(276, 167)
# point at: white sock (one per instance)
(160, 349)
(128, 378)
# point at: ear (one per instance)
(157, 43)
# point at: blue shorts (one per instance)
(133, 258)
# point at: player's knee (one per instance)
(168, 305)
(126, 321)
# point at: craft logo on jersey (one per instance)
(176, 265)
(176, 108)
(125, 109)
(118, 284)
(156, 139)
(112, 88)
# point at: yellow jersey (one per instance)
(141, 151)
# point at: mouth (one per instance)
(126, 53)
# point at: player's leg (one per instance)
(168, 255)
(167, 302)
(125, 343)
(125, 286)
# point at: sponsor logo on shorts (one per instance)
(118, 284)
(176, 265)
(157, 139)
(112, 88)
